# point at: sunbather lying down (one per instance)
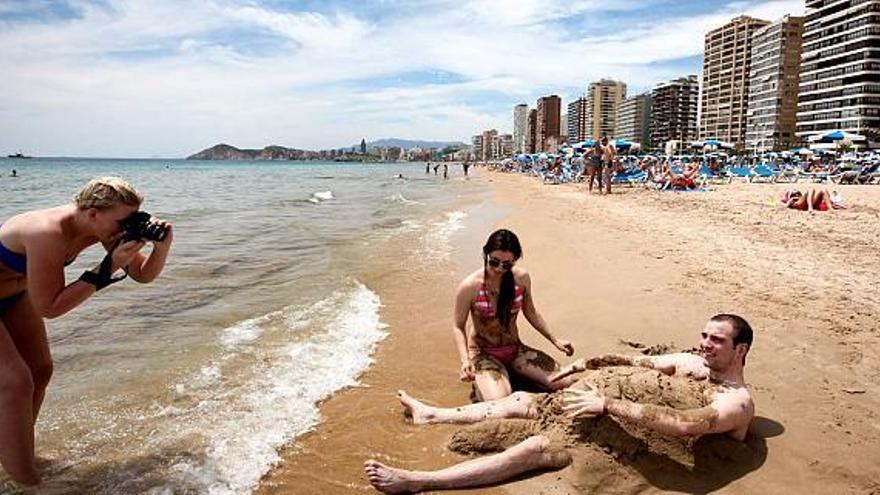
(813, 199)
(687, 179)
(635, 405)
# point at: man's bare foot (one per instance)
(388, 479)
(420, 413)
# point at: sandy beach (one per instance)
(640, 267)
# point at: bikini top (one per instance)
(17, 261)
(483, 301)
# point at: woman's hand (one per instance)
(564, 346)
(169, 232)
(124, 253)
(579, 402)
(467, 372)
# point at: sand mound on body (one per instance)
(608, 449)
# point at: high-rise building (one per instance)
(502, 146)
(489, 138)
(532, 134)
(520, 127)
(726, 67)
(577, 120)
(773, 85)
(674, 111)
(840, 67)
(563, 127)
(634, 120)
(603, 99)
(547, 128)
(477, 145)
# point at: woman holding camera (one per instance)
(494, 297)
(35, 247)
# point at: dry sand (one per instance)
(651, 268)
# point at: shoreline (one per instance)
(650, 268)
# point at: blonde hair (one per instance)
(107, 192)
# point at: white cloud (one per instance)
(170, 77)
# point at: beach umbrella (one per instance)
(622, 144)
(836, 136)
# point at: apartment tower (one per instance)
(520, 127)
(674, 111)
(633, 121)
(840, 68)
(726, 68)
(531, 135)
(603, 99)
(577, 120)
(547, 125)
(773, 85)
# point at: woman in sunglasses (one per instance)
(494, 296)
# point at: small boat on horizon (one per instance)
(18, 155)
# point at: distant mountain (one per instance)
(227, 152)
(411, 143)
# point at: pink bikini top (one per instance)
(483, 302)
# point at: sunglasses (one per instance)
(495, 263)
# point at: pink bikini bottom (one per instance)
(504, 353)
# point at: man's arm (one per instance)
(726, 413)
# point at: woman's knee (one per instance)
(42, 373)
(16, 382)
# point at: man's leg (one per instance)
(608, 172)
(528, 455)
(516, 405)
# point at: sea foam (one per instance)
(244, 424)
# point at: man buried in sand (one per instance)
(693, 395)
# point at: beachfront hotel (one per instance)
(547, 125)
(840, 67)
(520, 127)
(577, 120)
(633, 122)
(773, 85)
(674, 111)
(726, 68)
(531, 135)
(603, 99)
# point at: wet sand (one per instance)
(650, 268)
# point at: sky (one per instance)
(168, 78)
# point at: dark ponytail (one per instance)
(503, 240)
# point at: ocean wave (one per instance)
(329, 346)
(436, 243)
(319, 196)
(401, 199)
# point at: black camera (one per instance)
(138, 226)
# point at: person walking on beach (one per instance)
(428, 168)
(608, 154)
(436, 166)
(445, 171)
(594, 165)
(34, 248)
(724, 343)
(494, 296)
(465, 166)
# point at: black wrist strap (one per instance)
(103, 278)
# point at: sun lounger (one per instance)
(763, 173)
(739, 173)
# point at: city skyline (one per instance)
(169, 78)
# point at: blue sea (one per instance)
(191, 384)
